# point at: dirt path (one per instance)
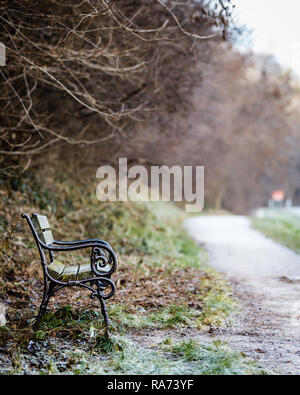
(264, 277)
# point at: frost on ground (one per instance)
(2, 315)
(261, 272)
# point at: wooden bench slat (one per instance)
(46, 237)
(70, 273)
(40, 222)
(56, 268)
(79, 272)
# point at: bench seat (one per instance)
(60, 271)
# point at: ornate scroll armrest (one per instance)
(101, 257)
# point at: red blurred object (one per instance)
(278, 196)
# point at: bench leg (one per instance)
(105, 316)
(103, 310)
(43, 306)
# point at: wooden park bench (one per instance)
(94, 276)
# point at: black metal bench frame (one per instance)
(102, 255)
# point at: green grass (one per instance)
(281, 227)
(146, 229)
(120, 355)
(167, 317)
(181, 358)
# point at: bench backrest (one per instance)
(42, 227)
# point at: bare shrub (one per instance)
(85, 72)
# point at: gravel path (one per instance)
(266, 280)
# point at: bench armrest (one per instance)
(98, 257)
(69, 243)
(95, 256)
